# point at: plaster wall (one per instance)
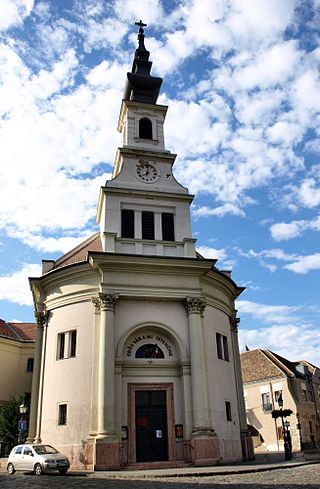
(14, 378)
(217, 369)
(68, 380)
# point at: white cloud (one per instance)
(13, 12)
(282, 339)
(283, 231)
(214, 253)
(15, 287)
(305, 264)
(204, 211)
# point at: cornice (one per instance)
(146, 193)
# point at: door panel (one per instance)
(151, 426)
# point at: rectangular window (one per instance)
(167, 222)
(266, 401)
(62, 415)
(228, 410)
(67, 344)
(127, 223)
(30, 365)
(147, 225)
(222, 347)
(304, 394)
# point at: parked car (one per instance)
(38, 458)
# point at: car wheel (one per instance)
(63, 471)
(37, 469)
(11, 470)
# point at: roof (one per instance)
(261, 364)
(25, 332)
(255, 365)
(80, 252)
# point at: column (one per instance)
(246, 441)
(195, 307)
(41, 318)
(106, 428)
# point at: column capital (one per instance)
(234, 321)
(195, 305)
(41, 318)
(105, 302)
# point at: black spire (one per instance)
(141, 86)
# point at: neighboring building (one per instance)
(17, 343)
(137, 354)
(265, 376)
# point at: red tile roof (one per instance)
(24, 332)
(80, 252)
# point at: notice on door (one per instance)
(158, 433)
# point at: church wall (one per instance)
(134, 313)
(216, 321)
(68, 380)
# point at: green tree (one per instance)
(9, 419)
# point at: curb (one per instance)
(207, 473)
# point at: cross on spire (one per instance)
(141, 26)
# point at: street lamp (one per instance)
(286, 433)
(22, 423)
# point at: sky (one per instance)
(241, 79)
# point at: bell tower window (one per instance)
(147, 225)
(167, 223)
(145, 128)
(127, 223)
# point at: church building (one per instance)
(137, 361)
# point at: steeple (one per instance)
(141, 86)
(143, 210)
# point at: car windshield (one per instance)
(44, 449)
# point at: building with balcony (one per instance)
(266, 376)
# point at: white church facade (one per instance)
(137, 361)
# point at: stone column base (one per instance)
(205, 451)
(107, 456)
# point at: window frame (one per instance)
(62, 414)
(30, 364)
(222, 347)
(67, 344)
(228, 410)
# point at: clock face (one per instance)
(147, 173)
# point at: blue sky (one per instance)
(242, 83)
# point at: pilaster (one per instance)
(246, 440)
(38, 377)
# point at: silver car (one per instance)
(38, 458)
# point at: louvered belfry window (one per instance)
(145, 128)
(127, 223)
(147, 225)
(167, 222)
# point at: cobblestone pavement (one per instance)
(307, 476)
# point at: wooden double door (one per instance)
(151, 425)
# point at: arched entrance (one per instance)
(152, 389)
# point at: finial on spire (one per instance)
(141, 26)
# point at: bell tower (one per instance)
(143, 210)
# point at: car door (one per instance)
(27, 459)
(17, 457)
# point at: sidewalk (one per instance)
(262, 462)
